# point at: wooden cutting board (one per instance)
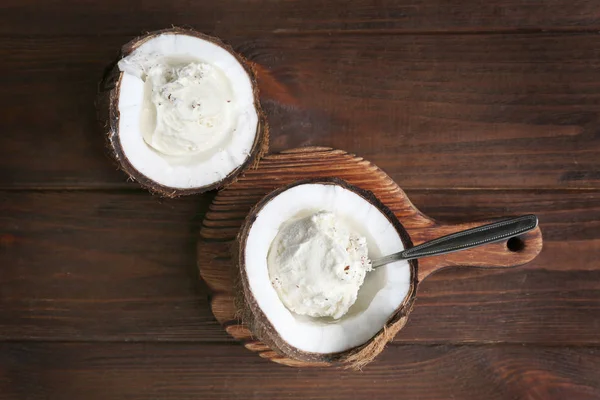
(231, 205)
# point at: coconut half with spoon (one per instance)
(182, 112)
(321, 316)
(307, 285)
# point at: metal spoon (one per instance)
(474, 237)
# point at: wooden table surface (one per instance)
(476, 108)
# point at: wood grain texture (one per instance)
(476, 108)
(232, 205)
(101, 266)
(243, 17)
(434, 111)
(109, 266)
(199, 371)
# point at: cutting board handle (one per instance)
(509, 253)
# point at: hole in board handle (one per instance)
(515, 244)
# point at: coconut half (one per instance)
(233, 125)
(384, 299)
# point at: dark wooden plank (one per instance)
(192, 371)
(102, 266)
(433, 111)
(243, 17)
(121, 266)
(503, 305)
(49, 114)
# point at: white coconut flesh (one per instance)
(382, 293)
(208, 124)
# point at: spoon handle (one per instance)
(490, 233)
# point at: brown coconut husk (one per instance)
(108, 114)
(252, 316)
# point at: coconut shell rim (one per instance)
(268, 334)
(109, 94)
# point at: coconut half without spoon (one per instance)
(463, 240)
(182, 112)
